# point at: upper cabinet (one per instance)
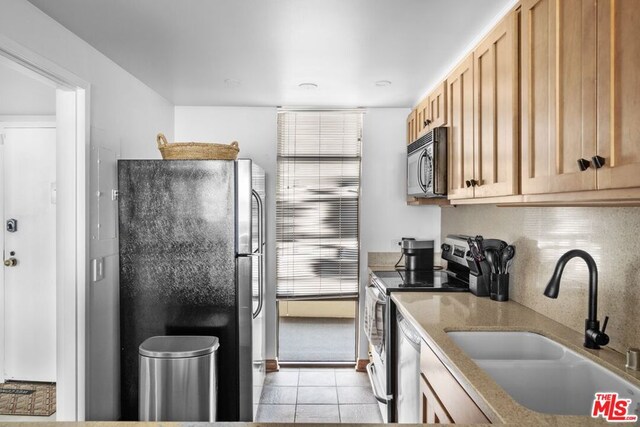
(546, 108)
(558, 95)
(483, 117)
(460, 149)
(431, 112)
(580, 95)
(438, 106)
(412, 132)
(618, 45)
(495, 97)
(422, 117)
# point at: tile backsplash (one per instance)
(542, 235)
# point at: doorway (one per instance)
(317, 331)
(43, 190)
(317, 234)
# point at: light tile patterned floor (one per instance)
(318, 395)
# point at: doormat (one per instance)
(24, 398)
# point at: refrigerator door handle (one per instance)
(256, 196)
(260, 251)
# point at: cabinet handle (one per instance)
(472, 183)
(583, 164)
(468, 183)
(427, 122)
(598, 161)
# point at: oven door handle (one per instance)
(420, 181)
(379, 396)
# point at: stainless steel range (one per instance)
(382, 325)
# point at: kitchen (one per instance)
(546, 174)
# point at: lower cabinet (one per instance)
(430, 406)
(443, 400)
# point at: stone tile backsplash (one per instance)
(542, 235)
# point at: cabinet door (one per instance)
(558, 94)
(438, 106)
(460, 118)
(431, 409)
(422, 117)
(411, 127)
(619, 93)
(496, 111)
(449, 394)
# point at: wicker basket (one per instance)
(196, 150)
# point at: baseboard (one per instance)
(273, 365)
(361, 365)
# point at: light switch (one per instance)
(97, 269)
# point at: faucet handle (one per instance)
(604, 324)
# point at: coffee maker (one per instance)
(418, 257)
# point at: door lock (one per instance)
(11, 262)
(12, 225)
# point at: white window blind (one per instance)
(317, 203)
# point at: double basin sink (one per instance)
(542, 374)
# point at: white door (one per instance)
(29, 174)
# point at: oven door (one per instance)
(376, 329)
(416, 169)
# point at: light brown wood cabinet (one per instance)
(432, 110)
(558, 95)
(496, 110)
(438, 106)
(411, 127)
(432, 411)
(483, 117)
(618, 89)
(443, 400)
(460, 117)
(580, 95)
(422, 115)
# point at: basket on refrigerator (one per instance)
(196, 150)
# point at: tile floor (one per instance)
(318, 395)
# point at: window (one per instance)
(317, 203)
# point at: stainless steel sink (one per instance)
(541, 374)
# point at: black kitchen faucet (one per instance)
(593, 337)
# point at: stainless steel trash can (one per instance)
(178, 378)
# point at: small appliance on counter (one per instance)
(488, 260)
(418, 254)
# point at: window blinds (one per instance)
(317, 204)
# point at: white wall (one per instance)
(125, 116)
(255, 130)
(384, 214)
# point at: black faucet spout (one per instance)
(593, 336)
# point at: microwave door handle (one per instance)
(420, 181)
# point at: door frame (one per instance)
(72, 139)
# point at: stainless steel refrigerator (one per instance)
(192, 249)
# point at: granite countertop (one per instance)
(434, 314)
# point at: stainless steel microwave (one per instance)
(427, 165)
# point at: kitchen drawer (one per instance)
(455, 401)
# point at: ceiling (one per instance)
(186, 49)
(21, 95)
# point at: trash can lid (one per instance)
(175, 346)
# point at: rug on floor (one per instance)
(25, 398)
